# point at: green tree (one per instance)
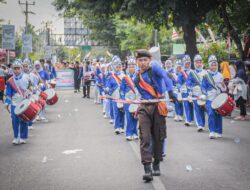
(182, 13)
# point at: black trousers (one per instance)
(77, 83)
(86, 88)
(242, 104)
(1, 95)
(152, 127)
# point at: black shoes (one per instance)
(148, 176)
(156, 168)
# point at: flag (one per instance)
(175, 35)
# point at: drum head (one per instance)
(133, 108)
(22, 107)
(50, 92)
(119, 105)
(116, 94)
(201, 102)
(219, 101)
(130, 96)
(35, 97)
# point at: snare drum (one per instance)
(133, 108)
(119, 105)
(223, 104)
(53, 84)
(52, 96)
(43, 95)
(27, 110)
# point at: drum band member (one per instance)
(182, 84)
(113, 88)
(194, 84)
(173, 75)
(128, 92)
(212, 85)
(151, 84)
(16, 90)
(43, 85)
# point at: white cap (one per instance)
(197, 57)
(17, 63)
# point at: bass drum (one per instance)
(223, 104)
(52, 96)
(43, 95)
(27, 110)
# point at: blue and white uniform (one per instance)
(128, 92)
(113, 88)
(194, 84)
(44, 78)
(182, 85)
(16, 91)
(212, 88)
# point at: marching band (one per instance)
(136, 100)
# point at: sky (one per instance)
(45, 11)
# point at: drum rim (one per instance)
(222, 94)
(26, 100)
(50, 90)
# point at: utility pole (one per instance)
(26, 12)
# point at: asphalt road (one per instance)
(77, 149)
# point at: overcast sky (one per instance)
(44, 10)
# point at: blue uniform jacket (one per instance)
(161, 81)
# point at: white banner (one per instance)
(8, 39)
(27, 43)
(65, 79)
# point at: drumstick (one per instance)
(144, 101)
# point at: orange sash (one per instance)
(184, 74)
(162, 107)
(117, 79)
(129, 82)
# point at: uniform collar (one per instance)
(18, 77)
(213, 73)
(198, 70)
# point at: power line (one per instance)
(26, 12)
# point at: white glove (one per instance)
(202, 97)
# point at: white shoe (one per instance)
(212, 135)
(117, 131)
(176, 118)
(43, 119)
(129, 138)
(122, 130)
(31, 127)
(22, 141)
(180, 118)
(38, 118)
(105, 116)
(188, 124)
(111, 121)
(135, 137)
(200, 129)
(218, 135)
(15, 141)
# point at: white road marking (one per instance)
(74, 151)
(157, 182)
